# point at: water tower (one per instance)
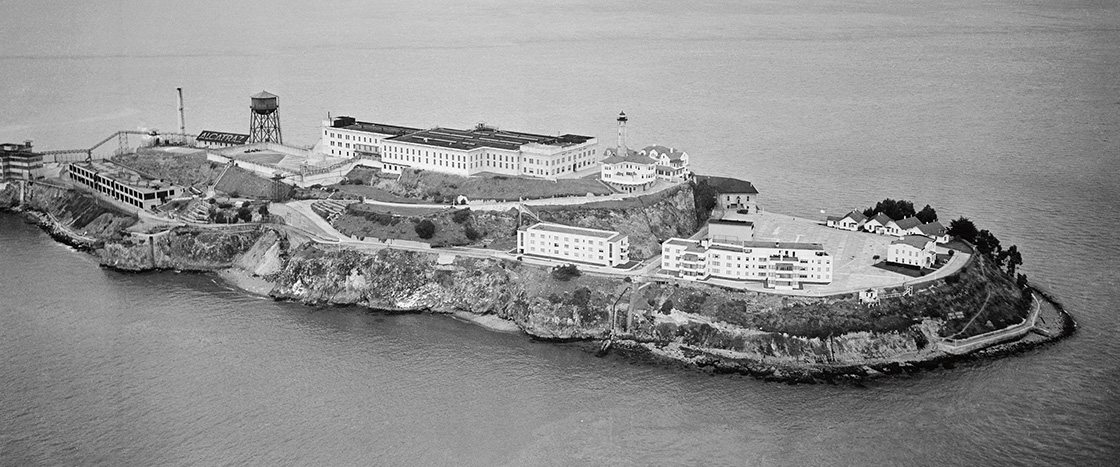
(264, 113)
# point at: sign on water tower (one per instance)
(264, 114)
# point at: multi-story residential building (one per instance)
(122, 184)
(486, 149)
(777, 265)
(912, 250)
(574, 244)
(347, 137)
(218, 139)
(18, 162)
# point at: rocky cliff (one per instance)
(181, 248)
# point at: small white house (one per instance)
(877, 223)
(850, 221)
(912, 250)
(908, 226)
(936, 231)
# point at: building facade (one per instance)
(485, 149)
(218, 139)
(850, 221)
(574, 244)
(777, 265)
(912, 250)
(122, 184)
(630, 173)
(672, 164)
(347, 137)
(18, 162)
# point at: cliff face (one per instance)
(77, 212)
(648, 220)
(405, 280)
(181, 248)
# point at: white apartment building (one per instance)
(777, 265)
(912, 250)
(574, 244)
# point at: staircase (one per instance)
(330, 209)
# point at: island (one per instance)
(620, 251)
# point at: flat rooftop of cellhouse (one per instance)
(484, 136)
(348, 123)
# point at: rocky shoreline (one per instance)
(511, 297)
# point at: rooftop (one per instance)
(674, 154)
(123, 175)
(908, 223)
(484, 136)
(348, 123)
(916, 241)
(631, 156)
(932, 229)
(725, 185)
(566, 229)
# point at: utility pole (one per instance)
(182, 123)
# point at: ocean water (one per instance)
(1004, 112)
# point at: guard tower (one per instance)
(264, 113)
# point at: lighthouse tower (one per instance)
(621, 149)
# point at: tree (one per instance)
(245, 204)
(896, 210)
(461, 216)
(471, 233)
(245, 214)
(263, 211)
(565, 273)
(667, 307)
(704, 199)
(1014, 259)
(963, 229)
(988, 245)
(425, 229)
(1021, 281)
(927, 214)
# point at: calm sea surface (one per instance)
(1005, 112)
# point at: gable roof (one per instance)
(933, 229)
(725, 185)
(917, 241)
(856, 216)
(908, 223)
(882, 219)
(674, 155)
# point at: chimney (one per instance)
(182, 124)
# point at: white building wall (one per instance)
(566, 246)
(749, 264)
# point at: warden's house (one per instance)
(574, 244)
(777, 265)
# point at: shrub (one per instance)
(425, 229)
(471, 233)
(581, 297)
(565, 273)
(461, 216)
(245, 204)
(667, 307)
